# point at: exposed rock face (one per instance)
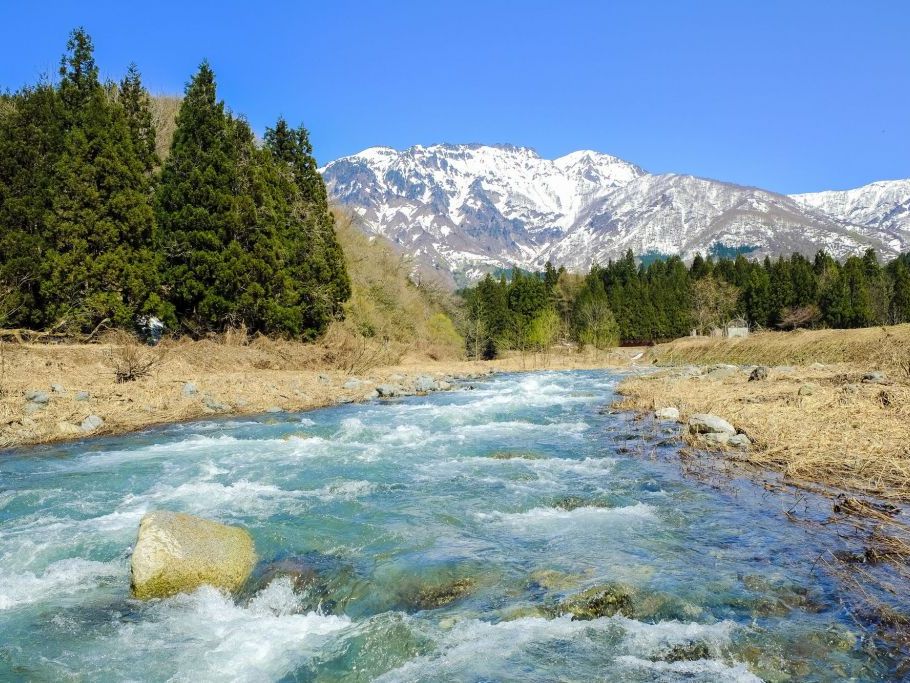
(177, 553)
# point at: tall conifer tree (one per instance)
(98, 264)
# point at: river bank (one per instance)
(844, 424)
(51, 393)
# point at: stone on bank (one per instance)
(703, 423)
(178, 553)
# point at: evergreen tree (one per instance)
(136, 104)
(318, 260)
(98, 262)
(196, 208)
(31, 138)
(900, 302)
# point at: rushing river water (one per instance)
(433, 553)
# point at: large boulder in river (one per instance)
(177, 553)
(703, 423)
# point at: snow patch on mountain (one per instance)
(468, 209)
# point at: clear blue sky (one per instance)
(792, 96)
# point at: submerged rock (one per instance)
(323, 583)
(570, 503)
(703, 423)
(550, 579)
(687, 652)
(436, 595)
(177, 553)
(512, 455)
(600, 601)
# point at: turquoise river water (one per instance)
(425, 539)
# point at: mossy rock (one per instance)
(600, 601)
(687, 652)
(178, 553)
(434, 596)
(553, 580)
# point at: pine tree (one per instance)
(900, 301)
(196, 208)
(317, 258)
(98, 264)
(136, 104)
(31, 138)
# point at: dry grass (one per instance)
(840, 432)
(233, 374)
(884, 348)
(847, 434)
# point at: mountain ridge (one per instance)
(466, 209)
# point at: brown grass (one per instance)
(244, 375)
(884, 348)
(841, 432)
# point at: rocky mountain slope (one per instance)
(467, 209)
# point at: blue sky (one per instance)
(791, 96)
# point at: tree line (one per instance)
(635, 302)
(96, 229)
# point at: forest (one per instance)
(627, 301)
(97, 229)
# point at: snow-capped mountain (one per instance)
(466, 209)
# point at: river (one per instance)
(440, 535)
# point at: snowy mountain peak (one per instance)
(465, 209)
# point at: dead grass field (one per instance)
(814, 419)
(873, 348)
(232, 375)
